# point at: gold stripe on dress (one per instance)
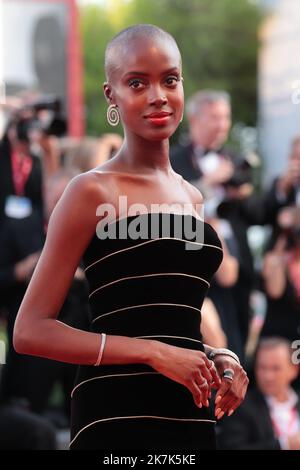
(140, 417)
(150, 241)
(145, 305)
(148, 275)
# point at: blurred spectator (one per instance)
(225, 179)
(89, 152)
(285, 190)
(205, 160)
(26, 377)
(269, 418)
(281, 277)
(20, 173)
(227, 273)
(23, 430)
(211, 327)
(209, 116)
(221, 290)
(48, 127)
(32, 132)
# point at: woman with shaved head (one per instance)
(153, 378)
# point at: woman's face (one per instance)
(146, 86)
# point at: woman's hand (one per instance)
(232, 392)
(188, 367)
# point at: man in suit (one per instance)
(269, 418)
(209, 116)
(224, 178)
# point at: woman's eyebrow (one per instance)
(135, 72)
(138, 72)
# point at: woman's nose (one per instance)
(157, 97)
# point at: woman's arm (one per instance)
(228, 271)
(211, 327)
(72, 225)
(37, 331)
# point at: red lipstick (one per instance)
(159, 118)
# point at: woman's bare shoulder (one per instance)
(80, 201)
(192, 191)
(91, 187)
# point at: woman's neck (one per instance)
(141, 156)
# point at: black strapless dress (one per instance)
(149, 288)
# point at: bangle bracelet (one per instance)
(103, 339)
(224, 352)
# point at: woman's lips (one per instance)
(159, 119)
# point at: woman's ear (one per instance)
(108, 92)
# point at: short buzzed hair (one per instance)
(274, 342)
(133, 32)
(198, 100)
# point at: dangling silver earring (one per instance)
(181, 117)
(113, 116)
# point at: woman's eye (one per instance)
(172, 80)
(136, 84)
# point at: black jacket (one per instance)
(33, 186)
(250, 427)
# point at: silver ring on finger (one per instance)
(228, 374)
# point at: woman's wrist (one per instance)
(212, 353)
(154, 353)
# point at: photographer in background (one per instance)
(49, 127)
(33, 130)
(285, 190)
(20, 172)
(281, 278)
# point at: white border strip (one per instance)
(141, 417)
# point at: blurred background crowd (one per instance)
(239, 144)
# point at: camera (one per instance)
(43, 116)
(242, 174)
(48, 114)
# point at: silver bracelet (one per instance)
(222, 351)
(99, 358)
